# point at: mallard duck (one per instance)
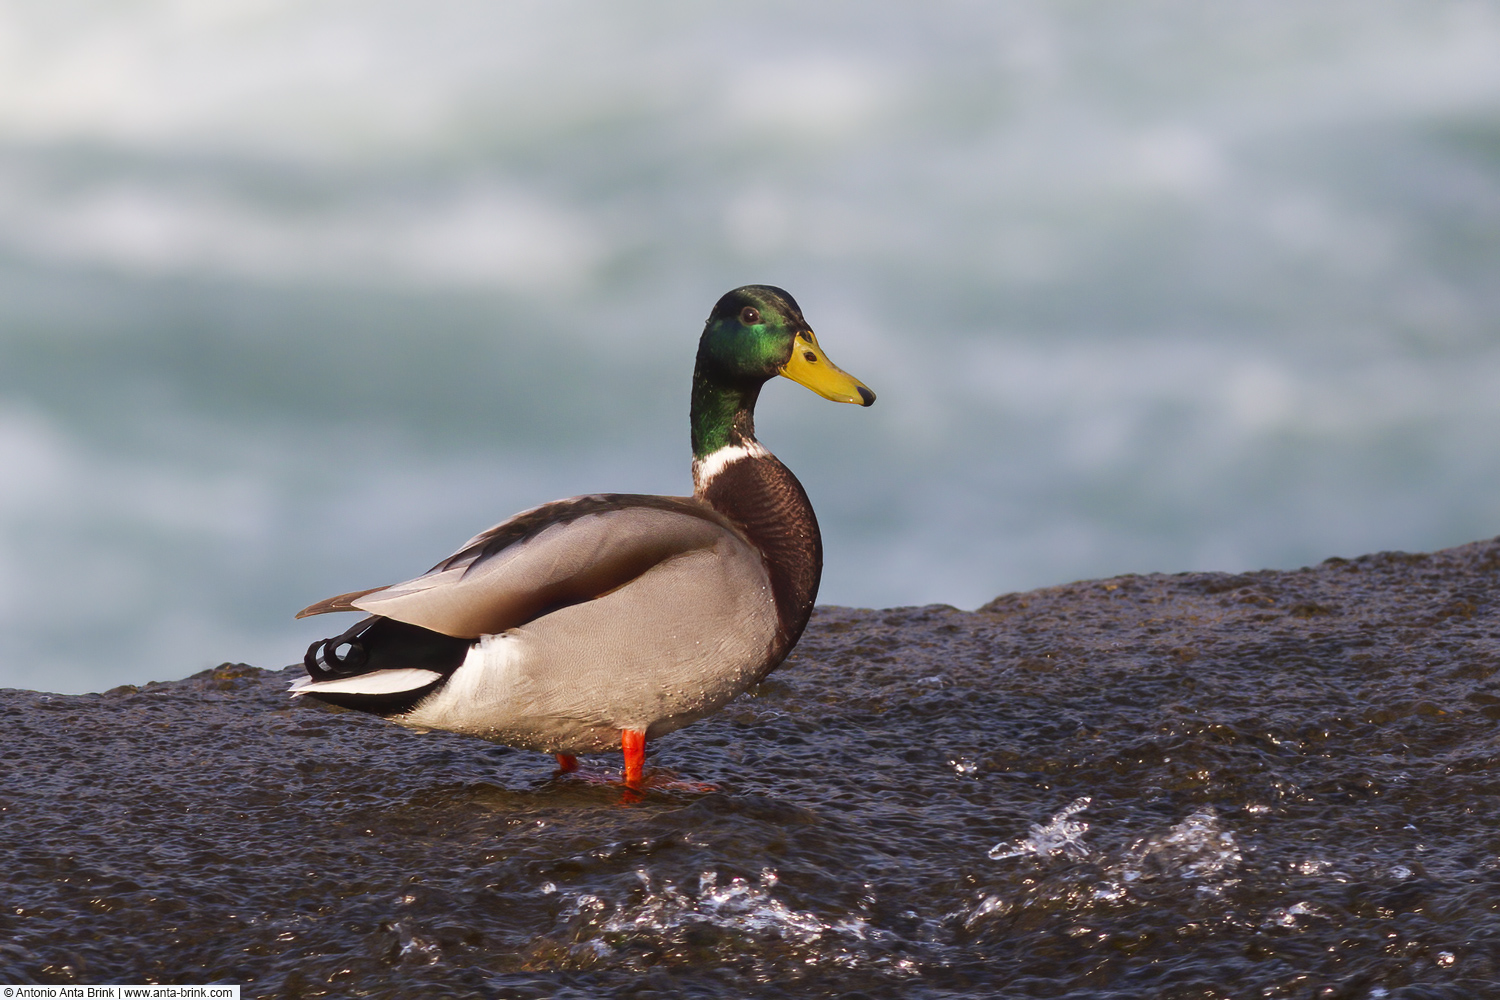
(612, 619)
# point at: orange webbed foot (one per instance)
(633, 744)
(634, 778)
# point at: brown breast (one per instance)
(763, 497)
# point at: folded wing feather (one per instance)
(562, 553)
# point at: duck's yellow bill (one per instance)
(809, 366)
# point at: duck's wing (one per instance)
(549, 557)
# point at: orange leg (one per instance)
(634, 745)
(567, 763)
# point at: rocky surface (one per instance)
(1200, 785)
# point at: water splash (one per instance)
(1196, 848)
(413, 947)
(1060, 835)
(965, 767)
(737, 916)
(1298, 913)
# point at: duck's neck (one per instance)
(738, 477)
(722, 414)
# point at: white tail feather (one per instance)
(375, 682)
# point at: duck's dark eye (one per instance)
(749, 315)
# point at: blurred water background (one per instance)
(296, 296)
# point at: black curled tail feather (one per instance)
(323, 661)
(379, 643)
(375, 644)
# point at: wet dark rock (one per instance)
(1263, 784)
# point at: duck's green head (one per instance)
(754, 334)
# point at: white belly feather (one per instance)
(671, 647)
